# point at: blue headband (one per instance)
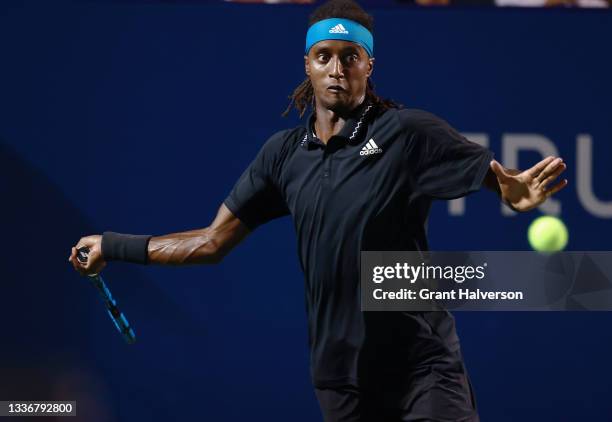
(340, 29)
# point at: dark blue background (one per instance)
(138, 117)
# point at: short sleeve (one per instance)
(443, 163)
(255, 198)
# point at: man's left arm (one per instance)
(526, 190)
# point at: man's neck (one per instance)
(330, 122)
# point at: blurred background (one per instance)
(139, 116)
(469, 3)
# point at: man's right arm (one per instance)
(254, 200)
(203, 246)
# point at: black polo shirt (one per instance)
(369, 188)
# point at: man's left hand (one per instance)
(528, 189)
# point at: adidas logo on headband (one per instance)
(338, 29)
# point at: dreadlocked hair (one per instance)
(303, 96)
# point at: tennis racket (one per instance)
(116, 315)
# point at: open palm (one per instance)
(528, 189)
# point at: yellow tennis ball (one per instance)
(547, 234)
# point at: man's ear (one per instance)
(306, 65)
(370, 66)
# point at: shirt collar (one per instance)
(352, 131)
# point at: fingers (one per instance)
(553, 174)
(550, 168)
(87, 241)
(537, 169)
(84, 268)
(76, 264)
(556, 188)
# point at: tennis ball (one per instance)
(547, 234)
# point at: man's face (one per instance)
(338, 72)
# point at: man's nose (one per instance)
(337, 70)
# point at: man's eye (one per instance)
(323, 57)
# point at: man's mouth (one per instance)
(335, 88)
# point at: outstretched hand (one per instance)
(530, 188)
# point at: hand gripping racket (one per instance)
(116, 315)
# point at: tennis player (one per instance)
(359, 175)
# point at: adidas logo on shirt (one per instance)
(338, 29)
(370, 148)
